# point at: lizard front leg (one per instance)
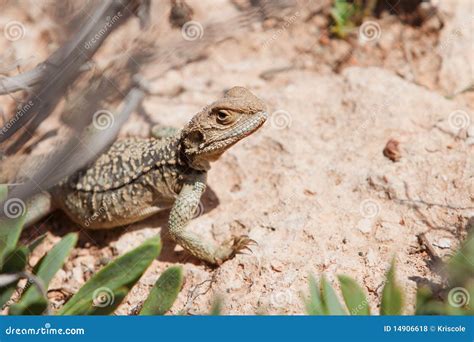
(182, 212)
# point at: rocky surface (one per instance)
(313, 186)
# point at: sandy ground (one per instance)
(313, 186)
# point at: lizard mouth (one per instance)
(238, 132)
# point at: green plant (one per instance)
(454, 299)
(101, 295)
(164, 292)
(342, 14)
(346, 15)
(324, 301)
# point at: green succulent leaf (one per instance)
(216, 307)
(32, 301)
(392, 296)
(164, 292)
(354, 296)
(10, 230)
(16, 260)
(50, 264)
(12, 259)
(6, 293)
(426, 304)
(460, 267)
(314, 305)
(3, 191)
(106, 288)
(31, 307)
(331, 303)
(105, 301)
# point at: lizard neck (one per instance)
(191, 161)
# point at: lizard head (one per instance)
(220, 125)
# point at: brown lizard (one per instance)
(137, 178)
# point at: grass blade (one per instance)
(10, 228)
(392, 298)
(164, 292)
(331, 303)
(32, 301)
(216, 307)
(354, 296)
(314, 305)
(14, 262)
(121, 274)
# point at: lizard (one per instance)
(137, 178)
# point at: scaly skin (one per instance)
(136, 178)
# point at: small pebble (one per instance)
(443, 243)
(277, 266)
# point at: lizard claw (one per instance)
(236, 245)
(241, 244)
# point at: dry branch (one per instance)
(52, 78)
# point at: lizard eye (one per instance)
(223, 117)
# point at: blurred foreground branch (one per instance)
(52, 78)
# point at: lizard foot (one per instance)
(236, 245)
